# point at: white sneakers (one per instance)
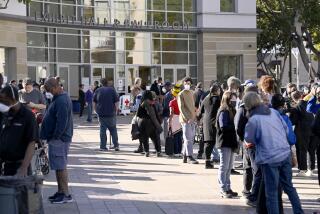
(302, 173)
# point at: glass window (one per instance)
(52, 55)
(68, 31)
(193, 45)
(122, 15)
(159, 17)
(174, 58)
(52, 40)
(86, 56)
(107, 43)
(35, 7)
(228, 66)
(227, 6)
(174, 5)
(193, 71)
(37, 54)
(102, 11)
(137, 4)
(121, 4)
(193, 58)
(174, 45)
(53, 70)
(120, 58)
(168, 74)
(36, 28)
(190, 5)
(138, 15)
(72, 56)
(159, 5)
(103, 56)
(156, 58)
(86, 42)
(37, 39)
(53, 9)
(181, 73)
(68, 2)
(178, 36)
(68, 41)
(88, 12)
(190, 19)
(134, 57)
(156, 45)
(68, 10)
(174, 17)
(138, 44)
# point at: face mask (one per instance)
(49, 95)
(164, 90)
(187, 87)
(4, 108)
(233, 103)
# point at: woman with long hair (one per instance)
(208, 111)
(226, 142)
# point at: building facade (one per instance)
(83, 41)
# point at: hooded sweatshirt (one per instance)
(268, 131)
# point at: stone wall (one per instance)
(213, 44)
(13, 38)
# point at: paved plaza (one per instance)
(124, 182)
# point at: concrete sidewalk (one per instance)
(124, 182)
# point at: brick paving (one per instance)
(127, 183)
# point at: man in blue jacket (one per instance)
(57, 129)
(269, 133)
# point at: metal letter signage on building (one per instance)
(92, 21)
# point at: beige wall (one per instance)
(13, 37)
(213, 44)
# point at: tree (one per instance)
(286, 22)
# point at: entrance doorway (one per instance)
(99, 72)
(37, 72)
(147, 73)
(174, 74)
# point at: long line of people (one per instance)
(274, 132)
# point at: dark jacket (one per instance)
(58, 123)
(156, 88)
(208, 111)
(226, 132)
(197, 97)
(82, 97)
(240, 122)
(166, 109)
(148, 114)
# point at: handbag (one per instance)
(135, 133)
(169, 145)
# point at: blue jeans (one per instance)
(188, 133)
(109, 123)
(226, 162)
(89, 108)
(280, 174)
(215, 154)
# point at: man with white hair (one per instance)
(268, 132)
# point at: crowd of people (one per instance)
(272, 132)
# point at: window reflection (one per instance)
(68, 41)
(174, 58)
(134, 57)
(37, 39)
(174, 5)
(137, 4)
(102, 56)
(174, 45)
(37, 54)
(190, 5)
(72, 56)
(159, 5)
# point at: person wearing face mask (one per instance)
(187, 119)
(33, 98)
(18, 134)
(226, 142)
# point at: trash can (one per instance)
(75, 106)
(21, 195)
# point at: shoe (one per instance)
(251, 203)
(309, 173)
(147, 154)
(209, 165)
(199, 156)
(111, 147)
(240, 166)
(139, 150)
(116, 149)
(191, 160)
(234, 172)
(159, 154)
(103, 150)
(54, 196)
(301, 173)
(62, 199)
(225, 194)
(215, 161)
(185, 159)
(234, 194)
